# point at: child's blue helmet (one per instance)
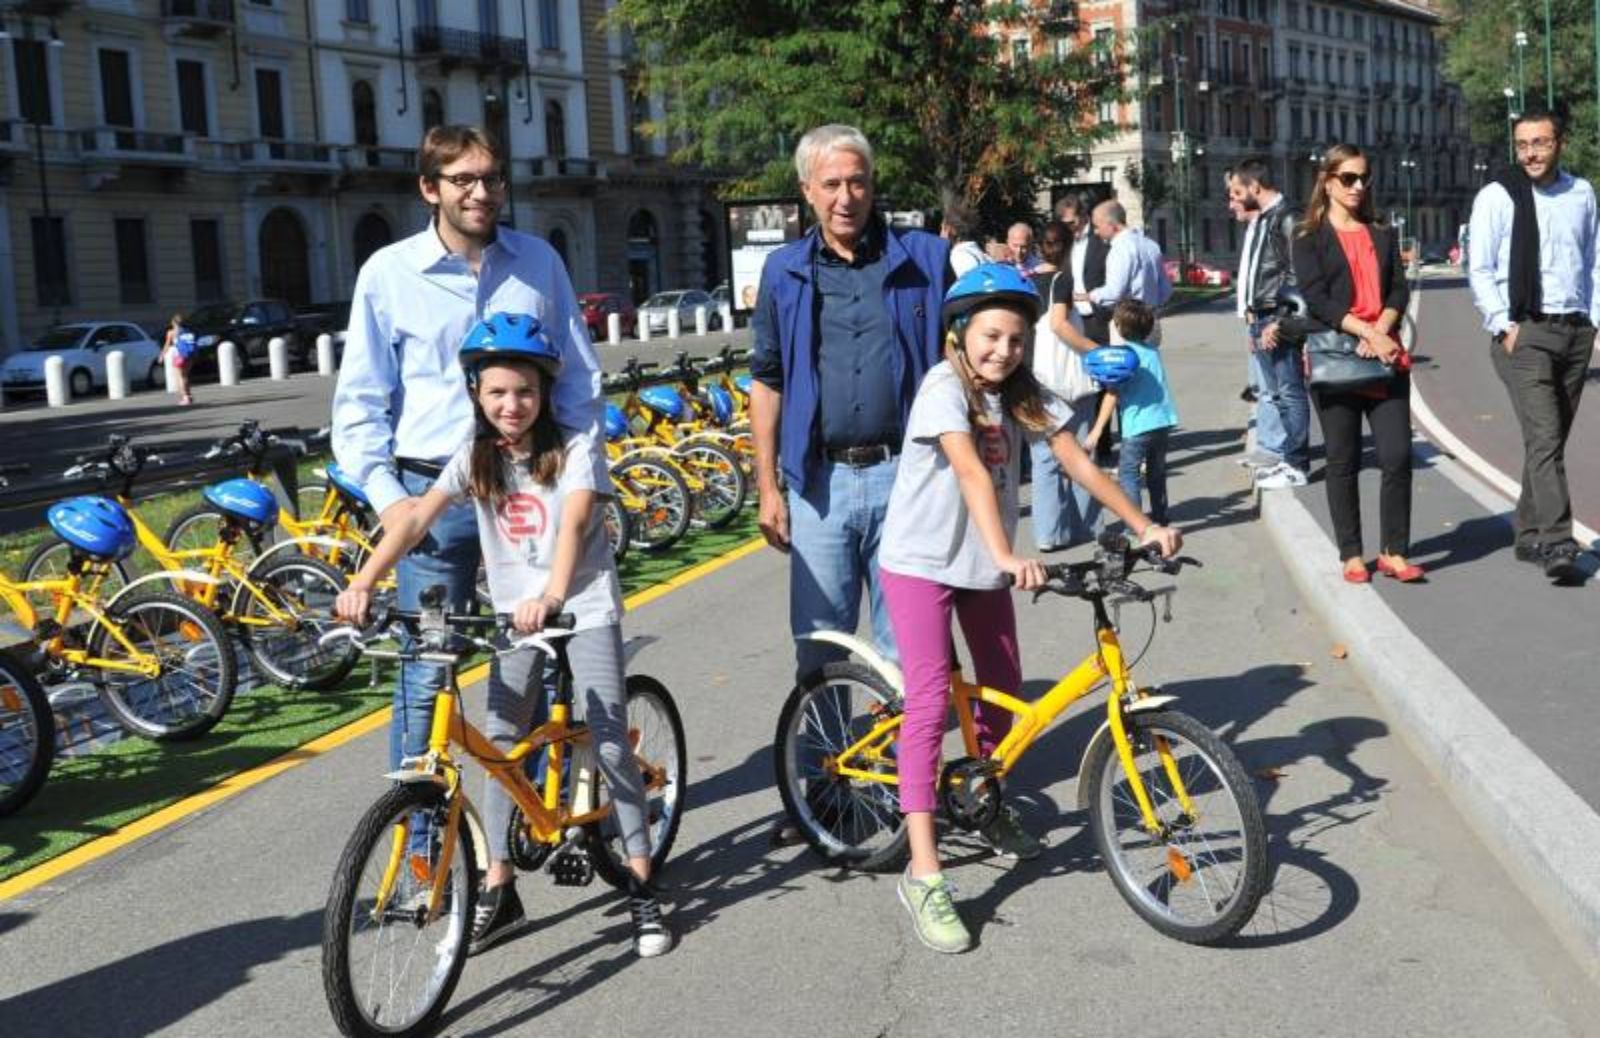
(515, 336)
(991, 284)
(96, 526)
(1110, 366)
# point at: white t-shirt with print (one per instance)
(927, 532)
(519, 541)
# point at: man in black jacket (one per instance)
(1267, 276)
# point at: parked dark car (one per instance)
(332, 318)
(599, 306)
(250, 326)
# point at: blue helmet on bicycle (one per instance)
(616, 422)
(96, 526)
(243, 499)
(517, 336)
(1111, 366)
(991, 284)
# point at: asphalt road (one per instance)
(1386, 915)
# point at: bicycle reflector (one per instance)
(96, 526)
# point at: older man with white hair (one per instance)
(1134, 265)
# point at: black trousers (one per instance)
(1340, 415)
(1545, 376)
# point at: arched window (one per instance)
(285, 263)
(558, 241)
(555, 129)
(432, 109)
(364, 109)
(372, 234)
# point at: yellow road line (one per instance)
(232, 786)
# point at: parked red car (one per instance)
(1201, 273)
(597, 308)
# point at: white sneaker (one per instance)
(1280, 476)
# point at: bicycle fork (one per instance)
(1116, 716)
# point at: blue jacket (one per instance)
(785, 326)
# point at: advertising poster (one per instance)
(756, 227)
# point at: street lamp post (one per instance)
(1549, 65)
(1410, 166)
(1511, 117)
(1481, 168)
(1521, 42)
(1180, 155)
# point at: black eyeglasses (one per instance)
(1354, 179)
(465, 181)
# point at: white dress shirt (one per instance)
(1080, 255)
(1566, 215)
(1247, 269)
(401, 391)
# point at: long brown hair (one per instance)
(490, 468)
(1317, 205)
(1021, 395)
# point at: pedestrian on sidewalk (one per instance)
(1088, 266)
(1532, 270)
(960, 229)
(1250, 394)
(177, 350)
(1267, 276)
(1145, 412)
(1135, 268)
(1348, 267)
(1019, 246)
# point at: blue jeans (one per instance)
(834, 529)
(448, 555)
(1148, 449)
(1283, 390)
(1269, 427)
(1064, 513)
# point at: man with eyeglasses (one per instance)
(1532, 270)
(401, 407)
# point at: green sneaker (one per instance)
(1009, 839)
(933, 914)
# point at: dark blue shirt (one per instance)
(859, 395)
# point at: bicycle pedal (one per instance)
(571, 869)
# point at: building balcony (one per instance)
(286, 156)
(1382, 87)
(1411, 93)
(196, 18)
(134, 147)
(1060, 18)
(562, 166)
(450, 48)
(1294, 85)
(14, 139)
(42, 8)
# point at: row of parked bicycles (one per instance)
(259, 560)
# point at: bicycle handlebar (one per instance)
(437, 628)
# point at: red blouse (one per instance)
(1359, 252)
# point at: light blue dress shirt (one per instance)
(1567, 255)
(1133, 270)
(401, 391)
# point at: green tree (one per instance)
(1150, 180)
(923, 79)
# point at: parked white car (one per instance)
(655, 309)
(83, 349)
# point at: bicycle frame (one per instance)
(69, 593)
(215, 563)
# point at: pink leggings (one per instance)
(920, 610)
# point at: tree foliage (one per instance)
(923, 79)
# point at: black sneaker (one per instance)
(651, 936)
(498, 916)
(1561, 564)
(1530, 552)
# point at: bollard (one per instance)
(227, 364)
(726, 310)
(674, 324)
(325, 355)
(644, 328)
(614, 329)
(170, 370)
(277, 359)
(116, 375)
(702, 320)
(55, 381)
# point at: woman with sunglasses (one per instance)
(1348, 267)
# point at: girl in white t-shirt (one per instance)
(545, 552)
(947, 548)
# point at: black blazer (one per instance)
(1324, 275)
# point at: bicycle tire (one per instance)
(294, 656)
(724, 487)
(27, 735)
(354, 988)
(852, 823)
(198, 674)
(1221, 873)
(618, 527)
(654, 716)
(668, 504)
(309, 497)
(49, 561)
(200, 526)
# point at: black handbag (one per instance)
(1333, 364)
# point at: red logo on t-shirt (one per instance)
(994, 446)
(520, 516)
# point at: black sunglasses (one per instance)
(1353, 179)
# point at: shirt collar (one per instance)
(428, 250)
(868, 248)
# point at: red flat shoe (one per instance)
(1410, 573)
(1357, 576)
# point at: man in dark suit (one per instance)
(1087, 265)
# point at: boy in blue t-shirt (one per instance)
(1145, 412)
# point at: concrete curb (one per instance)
(1547, 837)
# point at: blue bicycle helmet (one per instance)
(1111, 366)
(345, 485)
(509, 335)
(991, 284)
(244, 499)
(616, 422)
(742, 383)
(721, 404)
(96, 526)
(662, 400)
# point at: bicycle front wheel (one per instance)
(851, 822)
(618, 527)
(287, 648)
(387, 967)
(49, 562)
(200, 526)
(666, 506)
(723, 487)
(196, 672)
(1200, 878)
(655, 732)
(27, 734)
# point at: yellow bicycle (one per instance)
(399, 914)
(1173, 811)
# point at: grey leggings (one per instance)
(516, 695)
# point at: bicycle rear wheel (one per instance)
(618, 527)
(391, 971)
(197, 669)
(49, 561)
(27, 735)
(1200, 879)
(851, 822)
(291, 653)
(656, 732)
(667, 507)
(723, 489)
(200, 526)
